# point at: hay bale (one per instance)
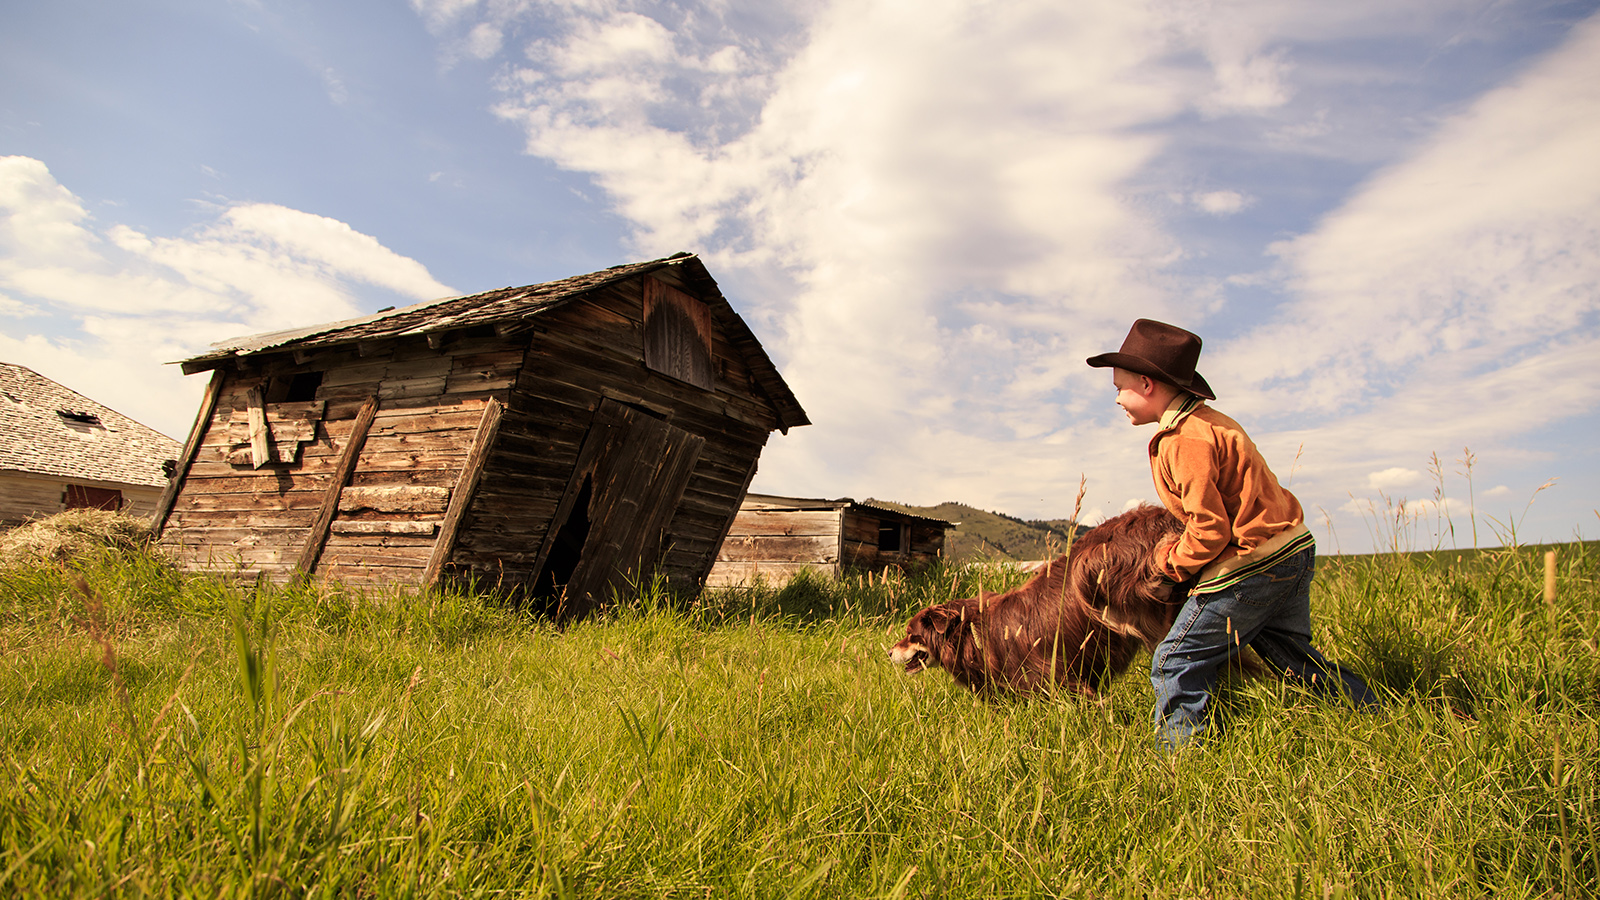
(71, 534)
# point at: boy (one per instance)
(1244, 542)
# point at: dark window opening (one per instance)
(80, 497)
(81, 418)
(566, 551)
(889, 536)
(304, 387)
(297, 388)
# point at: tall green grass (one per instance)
(174, 736)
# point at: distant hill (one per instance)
(991, 536)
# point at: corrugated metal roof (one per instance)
(512, 305)
(776, 503)
(49, 429)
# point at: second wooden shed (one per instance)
(558, 441)
(776, 537)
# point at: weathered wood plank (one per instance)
(229, 482)
(862, 527)
(297, 518)
(435, 420)
(730, 574)
(375, 372)
(461, 497)
(395, 498)
(418, 545)
(371, 461)
(779, 548)
(330, 504)
(288, 501)
(433, 477)
(354, 526)
(259, 453)
(756, 522)
(357, 573)
(202, 421)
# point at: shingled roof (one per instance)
(511, 310)
(48, 429)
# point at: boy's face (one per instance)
(1139, 396)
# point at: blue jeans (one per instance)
(1270, 612)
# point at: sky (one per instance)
(1382, 216)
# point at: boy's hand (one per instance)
(1162, 553)
(1158, 584)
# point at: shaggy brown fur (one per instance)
(1078, 622)
(1112, 570)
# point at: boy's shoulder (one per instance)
(1192, 417)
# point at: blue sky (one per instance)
(1384, 218)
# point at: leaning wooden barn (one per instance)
(555, 441)
(774, 538)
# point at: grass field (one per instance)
(169, 736)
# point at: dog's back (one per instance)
(1111, 570)
(1019, 640)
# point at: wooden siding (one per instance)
(25, 496)
(775, 541)
(429, 491)
(231, 514)
(578, 357)
(920, 543)
(775, 544)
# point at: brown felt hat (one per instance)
(1160, 351)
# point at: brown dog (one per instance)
(1078, 622)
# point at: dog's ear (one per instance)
(940, 618)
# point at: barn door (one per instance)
(612, 519)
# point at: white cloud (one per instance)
(1220, 203)
(1449, 302)
(1393, 479)
(1484, 245)
(16, 309)
(484, 41)
(939, 207)
(135, 302)
(42, 219)
(1249, 83)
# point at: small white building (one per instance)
(59, 450)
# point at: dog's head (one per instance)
(926, 634)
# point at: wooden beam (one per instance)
(727, 523)
(466, 486)
(260, 452)
(202, 419)
(341, 475)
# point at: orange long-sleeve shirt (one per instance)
(1210, 475)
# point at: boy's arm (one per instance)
(1207, 528)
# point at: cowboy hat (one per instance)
(1161, 351)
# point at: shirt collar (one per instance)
(1178, 410)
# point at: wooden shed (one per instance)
(60, 450)
(776, 537)
(555, 441)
